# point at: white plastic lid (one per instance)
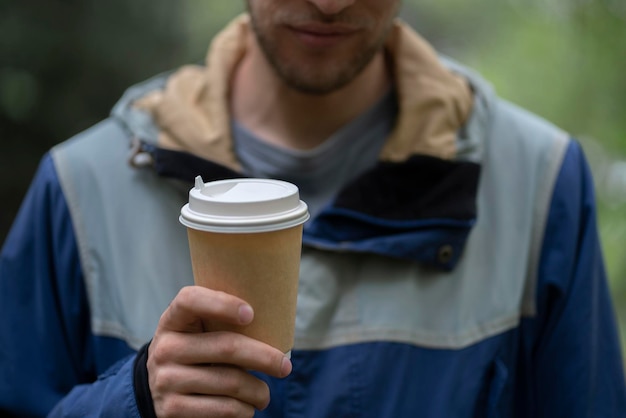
(243, 205)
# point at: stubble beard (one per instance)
(317, 81)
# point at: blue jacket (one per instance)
(472, 287)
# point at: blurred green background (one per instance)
(63, 63)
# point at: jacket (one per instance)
(454, 284)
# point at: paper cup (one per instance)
(245, 239)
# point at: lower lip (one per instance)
(317, 40)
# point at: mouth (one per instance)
(321, 35)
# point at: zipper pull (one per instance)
(140, 155)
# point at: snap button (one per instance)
(445, 254)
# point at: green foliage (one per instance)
(62, 66)
(204, 21)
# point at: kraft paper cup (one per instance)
(245, 239)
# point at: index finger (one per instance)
(193, 306)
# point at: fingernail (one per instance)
(245, 314)
(285, 367)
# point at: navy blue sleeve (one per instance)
(575, 364)
(46, 345)
(44, 349)
(111, 395)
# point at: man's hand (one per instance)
(194, 372)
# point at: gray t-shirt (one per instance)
(322, 171)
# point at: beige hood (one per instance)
(192, 112)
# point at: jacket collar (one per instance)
(191, 110)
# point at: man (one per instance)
(451, 267)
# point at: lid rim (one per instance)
(244, 228)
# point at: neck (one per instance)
(278, 114)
